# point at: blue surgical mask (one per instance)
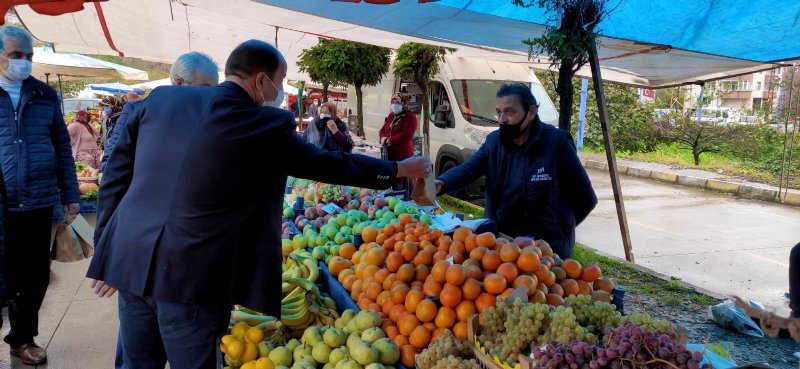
(397, 108)
(324, 116)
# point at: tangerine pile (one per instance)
(403, 269)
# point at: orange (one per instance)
(346, 250)
(460, 330)
(461, 234)
(408, 355)
(485, 301)
(457, 247)
(464, 310)
(432, 288)
(491, 260)
(538, 297)
(369, 234)
(439, 256)
(413, 298)
(420, 337)
(470, 243)
(446, 317)
(394, 261)
(450, 296)
(409, 250)
(509, 253)
(422, 272)
(494, 284)
(423, 257)
(478, 253)
(526, 280)
(555, 300)
(470, 289)
(528, 261)
(486, 239)
(508, 271)
(407, 324)
(591, 273)
(584, 288)
(473, 271)
(405, 218)
(374, 289)
(426, 310)
(398, 293)
(557, 289)
(572, 267)
(406, 273)
(439, 271)
(603, 284)
(455, 275)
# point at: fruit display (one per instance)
(353, 341)
(628, 346)
(303, 304)
(85, 171)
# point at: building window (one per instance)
(758, 86)
(757, 103)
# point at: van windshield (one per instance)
(476, 101)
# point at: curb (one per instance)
(733, 188)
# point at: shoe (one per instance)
(30, 354)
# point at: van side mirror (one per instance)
(442, 117)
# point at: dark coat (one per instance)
(35, 150)
(190, 203)
(538, 189)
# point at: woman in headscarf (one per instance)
(328, 131)
(397, 133)
(83, 138)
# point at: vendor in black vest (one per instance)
(535, 184)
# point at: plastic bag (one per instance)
(73, 242)
(424, 191)
(728, 315)
(718, 354)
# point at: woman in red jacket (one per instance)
(397, 134)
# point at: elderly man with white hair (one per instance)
(38, 173)
(191, 69)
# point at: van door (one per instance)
(442, 122)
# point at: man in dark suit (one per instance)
(189, 208)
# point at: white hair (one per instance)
(188, 64)
(14, 33)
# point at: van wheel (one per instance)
(448, 164)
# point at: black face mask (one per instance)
(511, 132)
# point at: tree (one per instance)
(699, 136)
(568, 45)
(355, 64)
(312, 62)
(420, 63)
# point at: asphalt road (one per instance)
(721, 243)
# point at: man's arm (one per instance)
(574, 183)
(67, 179)
(118, 174)
(118, 128)
(464, 174)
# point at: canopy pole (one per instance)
(276, 37)
(47, 78)
(610, 155)
(60, 92)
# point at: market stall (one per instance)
(403, 285)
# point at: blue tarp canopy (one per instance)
(115, 88)
(652, 43)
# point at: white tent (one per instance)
(75, 66)
(175, 27)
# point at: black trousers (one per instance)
(794, 281)
(27, 270)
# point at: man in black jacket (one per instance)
(190, 208)
(535, 184)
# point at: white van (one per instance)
(462, 114)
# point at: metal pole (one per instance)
(700, 103)
(610, 155)
(61, 92)
(47, 78)
(582, 112)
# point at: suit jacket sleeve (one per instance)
(336, 167)
(574, 182)
(118, 128)
(464, 174)
(67, 178)
(118, 175)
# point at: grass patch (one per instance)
(670, 293)
(459, 206)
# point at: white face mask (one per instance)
(324, 115)
(397, 108)
(278, 99)
(18, 69)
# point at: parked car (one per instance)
(75, 104)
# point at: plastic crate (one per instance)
(88, 207)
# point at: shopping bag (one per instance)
(424, 191)
(73, 242)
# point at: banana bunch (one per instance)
(305, 305)
(299, 264)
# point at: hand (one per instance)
(71, 212)
(382, 140)
(332, 126)
(101, 289)
(439, 185)
(413, 167)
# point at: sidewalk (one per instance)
(78, 329)
(692, 178)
